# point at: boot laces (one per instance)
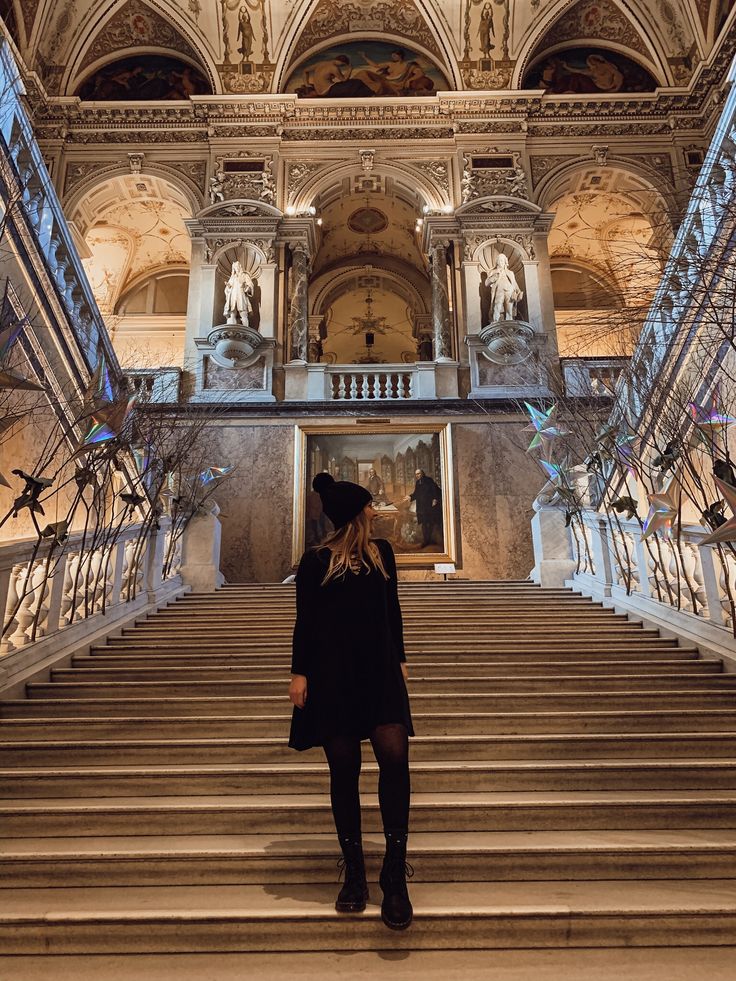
(347, 867)
(398, 869)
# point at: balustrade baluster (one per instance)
(366, 384)
(341, 387)
(353, 386)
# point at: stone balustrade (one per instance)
(28, 197)
(371, 383)
(591, 377)
(678, 583)
(46, 591)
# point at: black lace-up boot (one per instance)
(354, 893)
(396, 908)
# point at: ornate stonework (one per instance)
(594, 20)
(542, 165)
(133, 25)
(332, 18)
(436, 170)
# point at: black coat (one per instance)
(426, 491)
(348, 642)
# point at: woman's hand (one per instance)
(404, 670)
(298, 690)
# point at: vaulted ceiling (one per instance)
(241, 46)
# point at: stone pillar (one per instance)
(267, 283)
(440, 303)
(200, 303)
(472, 276)
(299, 304)
(544, 296)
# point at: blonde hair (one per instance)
(351, 550)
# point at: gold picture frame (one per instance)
(386, 457)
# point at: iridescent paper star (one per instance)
(100, 391)
(106, 423)
(707, 419)
(544, 425)
(214, 473)
(727, 531)
(663, 511)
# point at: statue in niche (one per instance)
(238, 291)
(486, 34)
(245, 33)
(505, 292)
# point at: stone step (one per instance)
(461, 915)
(504, 628)
(593, 964)
(157, 697)
(313, 778)
(547, 691)
(124, 668)
(414, 619)
(450, 857)
(25, 723)
(105, 745)
(91, 682)
(654, 661)
(310, 813)
(468, 647)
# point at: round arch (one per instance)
(413, 180)
(557, 9)
(449, 65)
(556, 183)
(205, 60)
(181, 184)
(331, 283)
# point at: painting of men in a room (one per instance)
(406, 474)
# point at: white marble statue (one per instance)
(238, 289)
(505, 292)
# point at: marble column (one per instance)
(440, 303)
(299, 304)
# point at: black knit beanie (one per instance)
(342, 500)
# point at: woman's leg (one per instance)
(343, 757)
(391, 746)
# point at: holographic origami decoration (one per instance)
(58, 531)
(726, 532)
(625, 504)
(34, 487)
(106, 423)
(664, 507)
(707, 419)
(100, 390)
(213, 473)
(544, 425)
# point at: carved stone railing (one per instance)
(379, 383)
(45, 591)
(30, 200)
(160, 385)
(591, 377)
(679, 584)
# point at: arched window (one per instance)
(163, 294)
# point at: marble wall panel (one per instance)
(496, 482)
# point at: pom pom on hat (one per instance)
(342, 500)
(322, 481)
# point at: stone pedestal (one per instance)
(200, 566)
(553, 561)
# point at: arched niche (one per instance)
(252, 260)
(344, 302)
(486, 255)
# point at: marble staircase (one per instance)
(574, 779)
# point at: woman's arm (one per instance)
(307, 584)
(395, 621)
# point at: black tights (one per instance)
(391, 746)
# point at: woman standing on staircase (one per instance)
(349, 684)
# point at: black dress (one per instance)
(348, 642)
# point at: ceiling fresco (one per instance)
(259, 46)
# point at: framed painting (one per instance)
(406, 467)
